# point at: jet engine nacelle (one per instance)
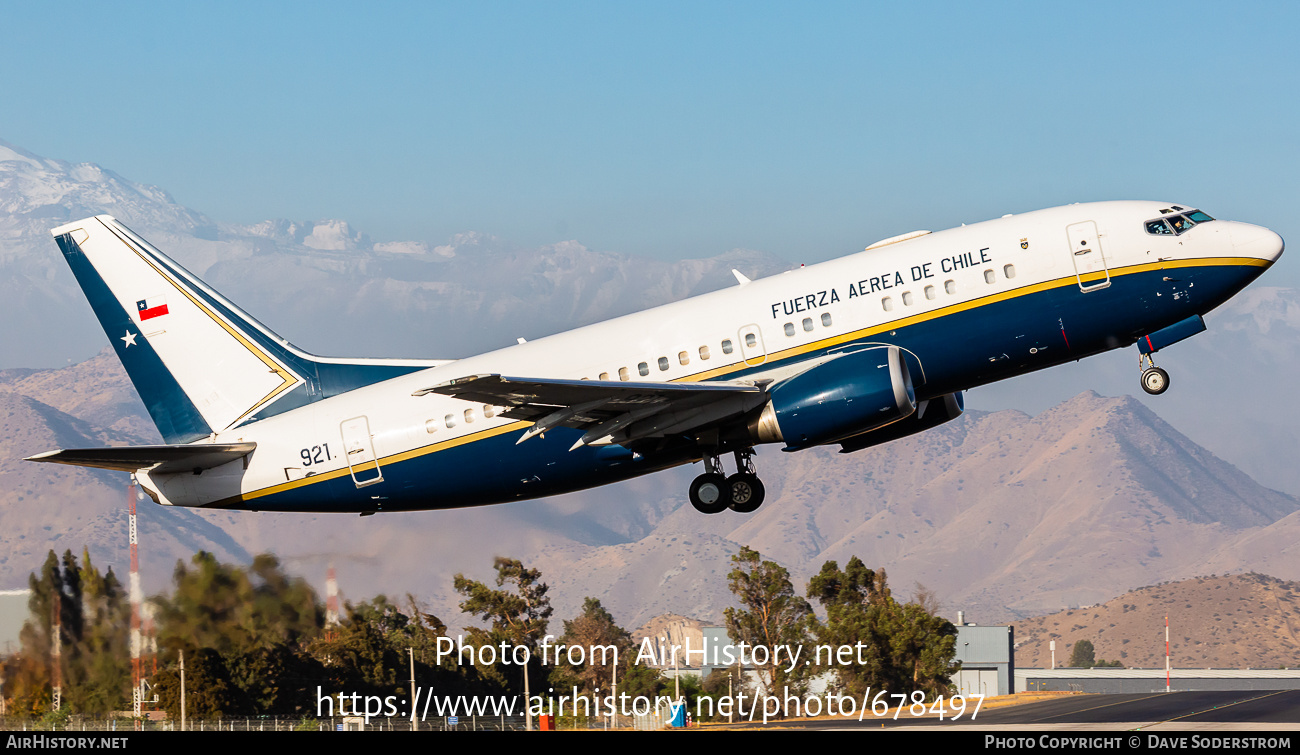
(846, 396)
(931, 413)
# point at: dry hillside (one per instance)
(1237, 621)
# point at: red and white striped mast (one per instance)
(137, 676)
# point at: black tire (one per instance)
(747, 492)
(1155, 381)
(710, 493)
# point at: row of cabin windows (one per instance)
(807, 324)
(949, 287)
(450, 420)
(683, 358)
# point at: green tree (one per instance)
(91, 613)
(771, 615)
(602, 642)
(1083, 655)
(209, 691)
(231, 609)
(516, 617)
(896, 647)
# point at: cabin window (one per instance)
(431, 426)
(449, 421)
(1009, 271)
(727, 348)
(826, 319)
(950, 286)
(622, 373)
(489, 411)
(469, 416)
(683, 358)
(643, 369)
(907, 298)
(789, 329)
(989, 277)
(663, 363)
(929, 292)
(704, 352)
(887, 303)
(604, 376)
(751, 340)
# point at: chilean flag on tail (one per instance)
(154, 306)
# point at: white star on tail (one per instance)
(129, 338)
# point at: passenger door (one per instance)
(1085, 250)
(359, 447)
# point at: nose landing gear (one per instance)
(1154, 380)
(742, 492)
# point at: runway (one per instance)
(1172, 711)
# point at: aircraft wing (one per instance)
(163, 459)
(611, 412)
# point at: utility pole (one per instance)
(56, 650)
(182, 690)
(1167, 685)
(411, 652)
(332, 619)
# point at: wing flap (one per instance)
(588, 404)
(163, 459)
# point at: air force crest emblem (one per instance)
(1024, 243)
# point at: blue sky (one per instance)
(675, 130)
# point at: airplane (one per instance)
(853, 352)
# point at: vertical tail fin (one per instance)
(200, 364)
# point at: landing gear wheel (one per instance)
(709, 493)
(746, 492)
(1155, 381)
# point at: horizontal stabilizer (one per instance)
(159, 459)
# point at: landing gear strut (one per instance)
(742, 492)
(1154, 380)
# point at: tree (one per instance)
(602, 642)
(231, 609)
(896, 647)
(1084, 655)
(91, 613)
(771, 615)
(209, 693)
(517, 617)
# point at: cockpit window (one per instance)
(1176, 224)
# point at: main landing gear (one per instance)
(1154, 380)
(713, 492)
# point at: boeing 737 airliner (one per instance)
(853, 352)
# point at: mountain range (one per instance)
(1000, 514)
(1003, 513)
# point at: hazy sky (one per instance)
(677, 130)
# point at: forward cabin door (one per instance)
(359, 446)
(1085, 250)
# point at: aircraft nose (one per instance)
(1256, 241)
